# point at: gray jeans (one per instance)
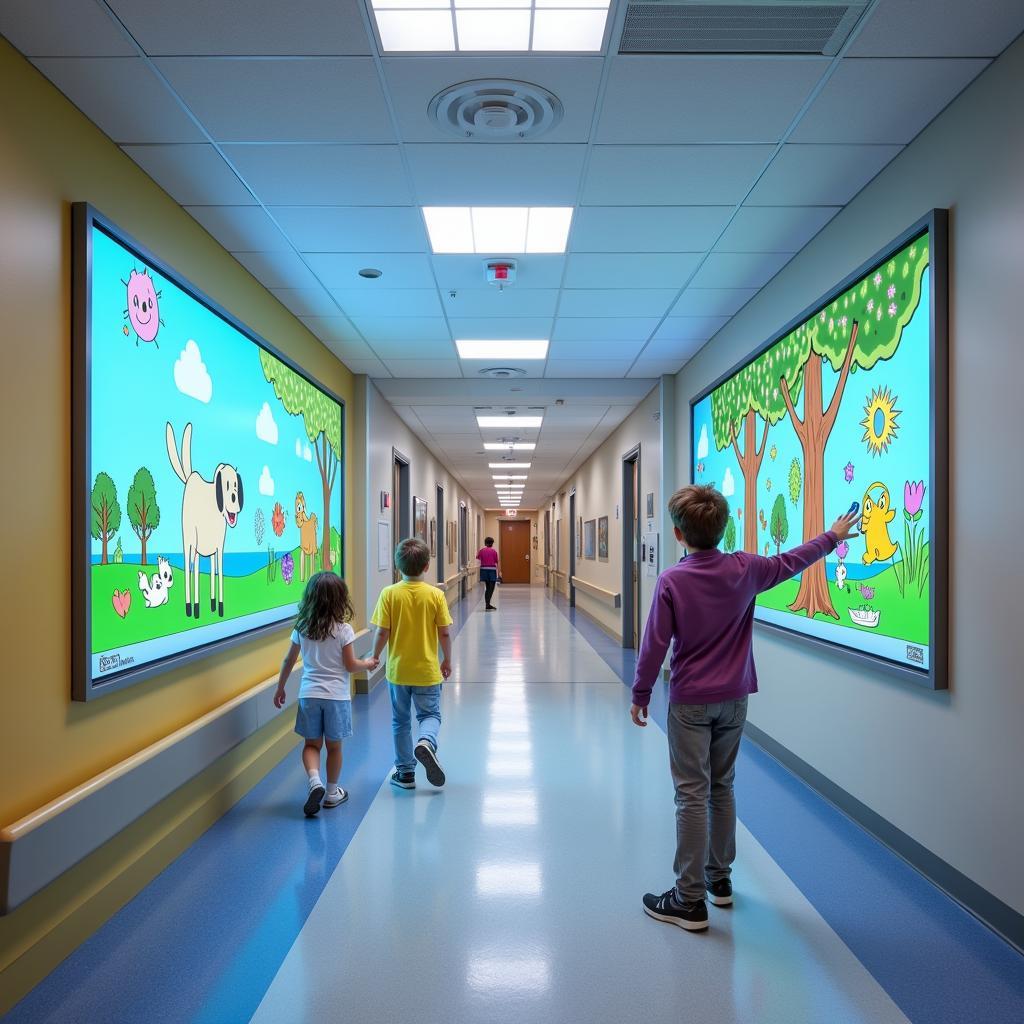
(703, 741)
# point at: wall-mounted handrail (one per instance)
(608, 596)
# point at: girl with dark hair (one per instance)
(324, 636)
(488, 570)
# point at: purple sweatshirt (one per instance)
(705, 604)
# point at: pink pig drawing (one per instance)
(143, 312)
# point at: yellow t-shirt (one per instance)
(412, 611)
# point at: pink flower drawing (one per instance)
(848, 472)
(913, 498)
(891, 293)
(842, 550)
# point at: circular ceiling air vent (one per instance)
(502, 371)
(490, 108)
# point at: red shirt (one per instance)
(488, 558)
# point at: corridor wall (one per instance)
(937, 766)
(52, 155)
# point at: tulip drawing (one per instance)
(913, 498)
(915, 558)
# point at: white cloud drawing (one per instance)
(266, 483)
(190, 374)
(728, 484)
(307, 454)
(298, 448)
(702, 443)
(266, 428)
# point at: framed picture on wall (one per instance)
(579, 537)
(433, 536)
(650, 505)
(590, 539)
(602, 537)
(558, 544)
(419, 519)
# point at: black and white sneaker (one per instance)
(428, 758)
(312, 805)
(720, 893)
(691, 916)
(403, 780)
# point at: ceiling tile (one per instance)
(884, 101)
(306, 301)
(347, 350)
(510, 302)
(531, 367)
(241, 228)
(352, 228)
(939, 28)
(62, 28)
(825, 175)
(604, 329)
(587, 367)
(490, 327)
(712, 301)
(666, 350)
(412, 331)
(774, 228)
(423, 367)
(467, 174)
(623, 302)
(630, 270)
(679, 99)
(672, 175)
(264, 27)
(398, 270)
(389, 301)
(539, 270)
(453, 420)
(122, 96)
(283, 100)
(690, 328)
(602, 350)
(277, 269)
(739, 269)
(646, 229)
(651, 368)
(323, 175)
(413, 81)
(371, 367)
(194, 175)
(335, 329)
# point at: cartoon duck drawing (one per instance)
(875, 525)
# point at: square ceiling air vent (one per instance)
(723, 26)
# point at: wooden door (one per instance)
(515, 552)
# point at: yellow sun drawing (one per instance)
(879, 423)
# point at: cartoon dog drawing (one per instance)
(307, 537)
(155, 590)
(208, 508)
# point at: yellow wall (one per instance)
(51, 156)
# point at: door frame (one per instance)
(463, 547)
(631, 529)
(401, 507)
(572, 547)
(442, 533)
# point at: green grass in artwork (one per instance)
(905, 618)
(243, 595)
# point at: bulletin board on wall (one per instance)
(847, 404)
(208, 469)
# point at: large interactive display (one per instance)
(848, 403)
(208, 469)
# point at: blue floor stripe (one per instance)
(203, 941)
(938, 963)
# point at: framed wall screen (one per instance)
(208, 479)
(847, 403)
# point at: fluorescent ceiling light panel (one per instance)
(498, 230)
(488, 26)
(508, 476)
(518, 446)
(508, 465)
(516, 422)
(493, 348)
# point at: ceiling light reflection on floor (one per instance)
(510, 767)
(510, 809)
(509, 878)
(508, 973)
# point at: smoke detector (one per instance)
(492, 109)
(502, 371)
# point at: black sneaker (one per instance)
(691, 916)
(720, 893)
(428, 758)
(312, 805)
(403, 780)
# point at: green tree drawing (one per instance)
(143, 511)
(322, 420)
(860, 327)
(730, 535)
(779, 524)
(118, 553)
(106, 512)
(795, 483)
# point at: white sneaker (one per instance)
(338, 796)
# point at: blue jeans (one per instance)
(427, 701)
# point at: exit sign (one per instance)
(510, 512)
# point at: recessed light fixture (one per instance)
(371, 272)
(487, 26)
(518, 446)
(498, 229)
(509, 476)
(508, 465)
(504, 421)
(500, 349)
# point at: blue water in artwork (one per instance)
(236, 563)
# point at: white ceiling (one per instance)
(695, 179)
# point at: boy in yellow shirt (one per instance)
(412, 619)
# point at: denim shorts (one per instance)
(318, 718)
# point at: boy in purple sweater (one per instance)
(704, 605)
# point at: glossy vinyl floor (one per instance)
(513, 894)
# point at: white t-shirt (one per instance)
(323, 671)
